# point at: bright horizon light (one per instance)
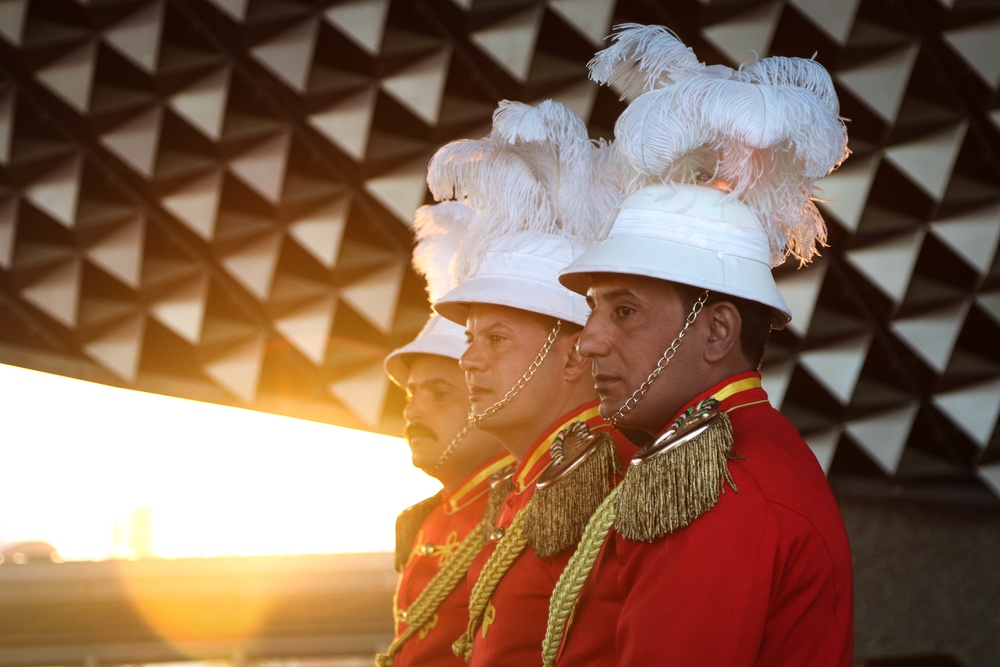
(101, 472)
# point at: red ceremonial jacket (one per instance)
(440, 534)
(515, 620)
(763, 578)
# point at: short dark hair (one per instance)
(756, 318)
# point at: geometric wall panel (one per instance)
(214, 198)
(749, 33)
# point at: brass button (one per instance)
(497, 534)
(401, 615)
(426, 549)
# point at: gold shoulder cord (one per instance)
(670, 483)
(437, 590)
(510, 546)
(567, 590)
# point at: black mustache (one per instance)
(417, 429)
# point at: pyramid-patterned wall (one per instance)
(211, 199)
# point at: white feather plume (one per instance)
(643, 58)
(768, 131)
(438, 230)
(537, 172)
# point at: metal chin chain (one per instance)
(518, 386)
(450, 449)
(637, 395)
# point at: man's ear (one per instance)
(724, 327)
(576, 364)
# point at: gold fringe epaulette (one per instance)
(501, 485)
(570, 490)
(408, 525)
(676, 478)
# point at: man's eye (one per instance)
(624, 311)
(496, 338)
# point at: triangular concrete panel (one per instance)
(883, 436)
(12, 14)
(990, 474)
(975, 235)
(236, 9)
(57, 191)
(289, 54)
(511, 43)
(363, 393)
(747, 35)
(933, 335)
(775, 378)
(800, 290)
(57, 293)
(899, 252)
(321, 231)
(6, 125)
(401, 191)
(308, 328)
(579, 98)
(591, 18)
(833, 18)
(137, 141)
(263, 166)
(120, 349)
(363, 21)
(838, 366)
(239, 369)
(8, 230)
(824, 446)
(255, 263)
(977, 44)
(182, 310)
(348, 122)
(990, 302)
(71, 77)
(844, 193)
(375, 296)
(929, 161)
(137, 37)
(420, 87)
(197, 203)
(881, 83)
(120, 253)
(974, 409)
(203, 103)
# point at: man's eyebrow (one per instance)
(616, 293)
(487, 329)
(430, 383)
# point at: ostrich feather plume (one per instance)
(766, 131)
(438, 230)
(643, 58)
(537, 173)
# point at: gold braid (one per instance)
(508, 550)
(437, 590)
(567, 590)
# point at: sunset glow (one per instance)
(103, 472)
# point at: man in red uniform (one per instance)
(536, 185)
(724, 544)
(437, 538)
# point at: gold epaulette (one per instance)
(501, 485)
(408, 525)
(570, 490)
(676, 478)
